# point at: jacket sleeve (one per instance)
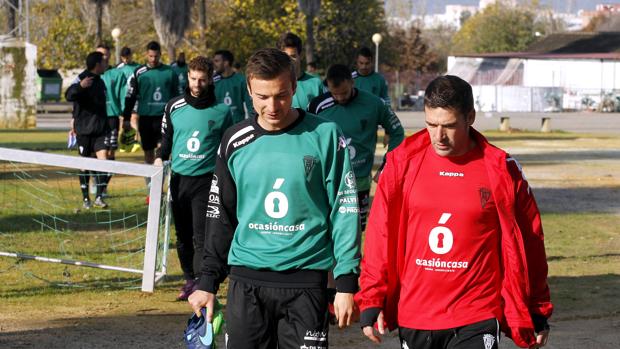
(373, 278)
(220, 226)
(391, 124)
(131, 95)
(118, 90)
(167, 133)
(383, 93)
(530, 225)
(344, 215)
(75, 91)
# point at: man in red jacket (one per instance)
(454, 248)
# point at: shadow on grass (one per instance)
(587, 307)
(578, 200)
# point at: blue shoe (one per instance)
(199, 332)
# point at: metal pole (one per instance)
(377, 58)
(117, 50)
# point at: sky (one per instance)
(438, 6)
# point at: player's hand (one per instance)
(202, 299)
(86, 82)
(158, 162)
(541, 339)
(369, 331)
(343, 307)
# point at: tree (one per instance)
(310, 8)
(244, 26)
(99, 16)
(413, 52)
(62, 40)
(498, 28)
(346, 25)
(171, 19)
(202, 20)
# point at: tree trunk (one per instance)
(99, 19)
(202, 19)
(172, 54)
(309, 39)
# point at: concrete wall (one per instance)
(572, 74)
(18, 74)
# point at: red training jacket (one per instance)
(524, 287)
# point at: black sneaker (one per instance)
(86, 204)
(100, 203)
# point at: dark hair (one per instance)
(268, 64)
(337, 74)
(103, 46)
(449, 92)
(290, 40)
(226, 55)
(125, 51)
(153, 46)
(92, 59)
(201, 63)
(365, 52)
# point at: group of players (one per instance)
(271, 177)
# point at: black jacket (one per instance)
(89, 105)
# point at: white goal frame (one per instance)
(150, 275)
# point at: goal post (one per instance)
(150, 274)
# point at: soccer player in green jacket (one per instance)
(230, 87)
(128, 141)
(359, 114)
(114, 82)
(192, 129)
(366, 78)
(180, 69)
(152, 85)
(283, 213)
(308, 86)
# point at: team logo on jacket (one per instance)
(489, 341)
(309, 162)
(485, 196)
(193, 144)
(349, 180)
(342, 143)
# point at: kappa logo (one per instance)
(451, 174)
(243, 141)
(489, 341)
(485, 195)
(404, 345)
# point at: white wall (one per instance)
(572, 74)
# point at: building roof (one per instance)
(577, 43)
(570, 45)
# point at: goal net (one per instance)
(42, 219)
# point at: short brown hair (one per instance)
(268, 64)
(201, 63)
(450, 92)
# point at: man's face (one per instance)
(364, 65)
(219, 64)
(342, 93)
(127, 59)
(272, 100)
(152, 58)
(197, 82)
(106, 57)
(449, 131)
(292, 52)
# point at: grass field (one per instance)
(575, 179)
